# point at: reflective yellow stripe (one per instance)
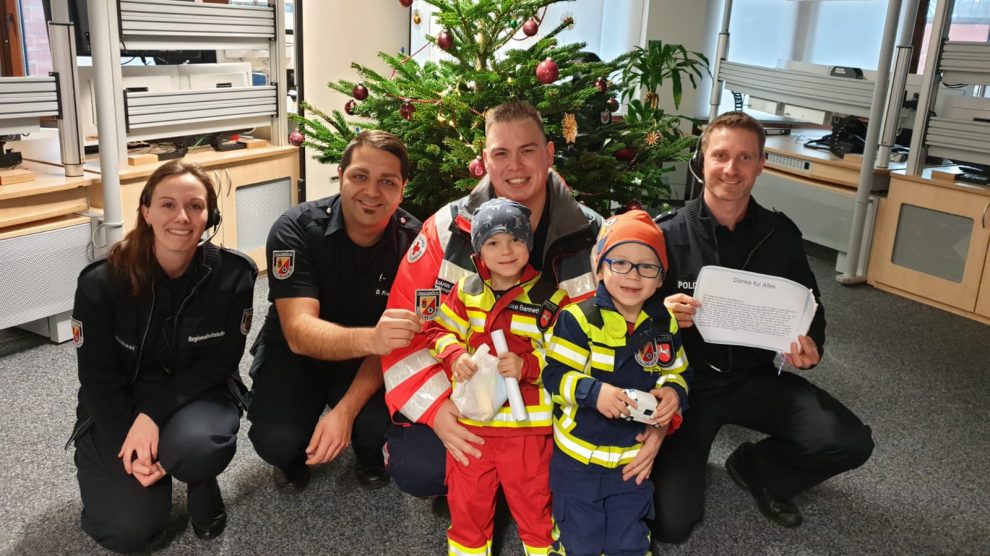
(567, 353)
(525, 326)
(456, 549)
(566, 420)
(443, 343)
(568, 387)
(605, 456)
(452, 321)
(602, 358)
(540, 415)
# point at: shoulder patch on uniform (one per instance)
(417, 249)
(77, 333)
(246, 317)
(283, 263)
(547, 313)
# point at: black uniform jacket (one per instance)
(110, 327)
(774, 247)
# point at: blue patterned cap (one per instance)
(500, 215)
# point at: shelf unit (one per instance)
(127, 115)
(933, 239)
(802, 94)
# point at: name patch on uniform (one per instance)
(647, 355)
(207, 336)
(547, 311)
(125, 345)
(417, 249)
(283, 263)
(77, 333)
(427, 303)
(665, 349)
(246, 317)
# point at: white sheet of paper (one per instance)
(750, 309)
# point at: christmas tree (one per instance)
(438, 108)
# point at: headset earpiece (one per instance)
(696, 165)
(214, 219)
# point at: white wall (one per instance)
(336, 35)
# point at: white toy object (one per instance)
(516, 404)
(646, 407)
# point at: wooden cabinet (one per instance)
(931, 245)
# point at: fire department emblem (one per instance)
(665, 349)
(246, 318)
(547, 312)
(77, 333)
(417, 249)
(428, 303)
(647, 355)
(283, 263)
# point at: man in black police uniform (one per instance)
(811, 436)
(332, 262)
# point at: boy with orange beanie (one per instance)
(622, 338)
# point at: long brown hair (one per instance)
(133, 256)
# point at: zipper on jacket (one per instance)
(144, 336)
(80, 428)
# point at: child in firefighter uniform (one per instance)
(503, 295)
(623, 337)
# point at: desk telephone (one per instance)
(848, 136)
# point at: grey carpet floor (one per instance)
(917, 375)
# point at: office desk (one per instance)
(817, 190)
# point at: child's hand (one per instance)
(464, 368)
(669, 404)
(612, 402)
(510, 365)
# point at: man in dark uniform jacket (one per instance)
(811, 436)
(332, 262)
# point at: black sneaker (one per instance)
(371, 477)
(293, 481)
(212, 528)
(781, 512)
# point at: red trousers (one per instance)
(521, 465)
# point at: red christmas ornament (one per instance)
(611, 104)
(477, 167)
(359, 91)
(547, 71)
(634, 205)
(296, 138)
(349, 107)
(531, 27)
(406, 3)
(625, 154)
(407, 110)
(445, 40)
(601, 84)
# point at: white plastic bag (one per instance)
(480, 397)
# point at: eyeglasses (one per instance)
(622, 266)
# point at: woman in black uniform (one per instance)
(159, 328)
